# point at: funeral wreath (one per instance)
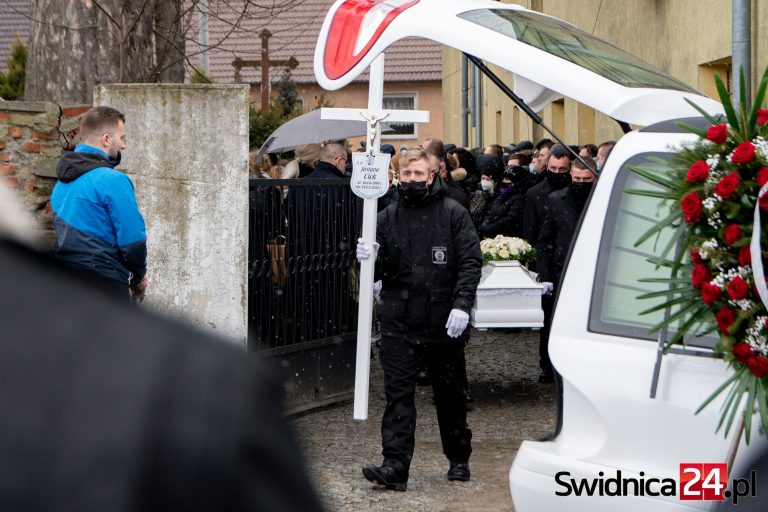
(716, 191)
(505, 248)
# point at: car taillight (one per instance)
(356, 26)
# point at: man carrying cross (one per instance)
(428, 258)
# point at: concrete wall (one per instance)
(187, 153)
(688, 39)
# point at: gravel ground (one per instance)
(510, 406)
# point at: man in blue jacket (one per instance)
(99, 228)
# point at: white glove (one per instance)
(548, 288)
(363, 252)
(457, 322)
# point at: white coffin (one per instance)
(508, 296)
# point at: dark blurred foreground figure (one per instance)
(109, 408)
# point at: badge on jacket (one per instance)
(439, 255)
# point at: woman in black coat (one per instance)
(504, 214)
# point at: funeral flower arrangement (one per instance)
(715, 191)
(506, 248)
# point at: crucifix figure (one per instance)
(373, 116)
(372, 128)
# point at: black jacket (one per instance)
(557, 231)
(325, 170)
(108, 407)
(429, 261)
(535, 210)
(504, 215)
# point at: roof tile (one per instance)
(294, 34)
(14, 22)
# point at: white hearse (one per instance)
(625, 410)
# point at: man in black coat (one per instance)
(323, 222)
(107, 407)
(562, 217)
(557, 176)
(429, 262)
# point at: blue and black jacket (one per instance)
(98, 224)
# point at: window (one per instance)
(400, 101)
(615, 308)
(574, 45)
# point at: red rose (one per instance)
(710, 293)
(691, 206)
(727, 185)
(718, 133)
(758, 366)
(762, 116)
(745, 256)
(725, 317)
(738, 288)
(733, 234)
(763, 202)
(700, 275)
(698, 172)
(762, 175)
(742, 352)
(695, 256)
(744, 153)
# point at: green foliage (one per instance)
(262, 124)
(284, 106)
(12, 83)
(201, 77)
(288, 98)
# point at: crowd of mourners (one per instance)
(536, 192)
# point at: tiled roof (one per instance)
(294, 34)
(14, 22)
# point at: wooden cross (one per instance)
(265, 63)
(373, 115)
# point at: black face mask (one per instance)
(114, 162)
(580, 191)
(413, 193)
(558, 180)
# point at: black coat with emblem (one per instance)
(429, 262)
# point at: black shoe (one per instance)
(387, 476)
(458, 472)
(546, 378)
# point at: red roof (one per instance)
(14, 22)
(294, 34)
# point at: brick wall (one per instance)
(32, 137)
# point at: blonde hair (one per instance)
(308, 153)
(412, 155)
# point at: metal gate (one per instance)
(302, 284)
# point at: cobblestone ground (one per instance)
(510, 406)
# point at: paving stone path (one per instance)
(510, 406)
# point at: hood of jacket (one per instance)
(74, 164)
(459, 174)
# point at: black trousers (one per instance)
(445, 362)
(547, 304)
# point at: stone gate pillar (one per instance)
(187, 154)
